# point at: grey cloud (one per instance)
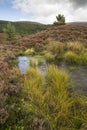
(79, 3)
(74, 3)
(45, 10)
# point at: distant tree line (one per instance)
(10, 29)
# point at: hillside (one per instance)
(78, 23)
(63, 33)
(24, 27)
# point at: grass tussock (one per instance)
(56, 48)
(76, 47)
(33, 63)
(49, 57)
(83, 58)
(71, 58)
(48, 100)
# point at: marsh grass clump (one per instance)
(49, 100)
(71, 57)
(33, 63)
(42, 53)
(32, 77)
(29, 51)
(78, 111)
(83, 58)
(49, 57)
(56, 48)
(40, 61)
(76, 47)
(44, 94)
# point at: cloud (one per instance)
(79, 3)
(80, 15)
(45, 10)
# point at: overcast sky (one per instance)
(43, 11)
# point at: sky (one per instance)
(43, 11)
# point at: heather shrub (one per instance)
(11, 111)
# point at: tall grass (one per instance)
(83, 58)
(33, 63)
(76, 47)
(50, 101)
(56, 48)
(71, 58)
(49, 57)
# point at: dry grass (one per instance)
(76, 47)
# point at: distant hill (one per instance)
(29, 27)
(24, 27)
(77, 23)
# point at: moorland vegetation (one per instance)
(34, 101)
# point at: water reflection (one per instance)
(78, 75)
(24, 64)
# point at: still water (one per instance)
(78, 74)
(24, 63)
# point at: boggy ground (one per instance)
(8, 75)
(63, 33)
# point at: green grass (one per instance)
(56, 48)
(40, 61)
(71, 58)
(49, 100)
(75, 47)
(49, 57)
(29, 51)
(83, 58)
(33, 63)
